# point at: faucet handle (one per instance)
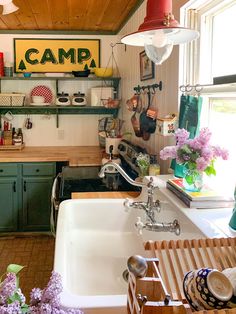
(128, 204)
(139, 225)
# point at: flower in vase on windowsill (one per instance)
(197, 156)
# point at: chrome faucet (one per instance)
(108, 164)
(150, 207)
(158, 226)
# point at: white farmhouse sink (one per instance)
(95, 237)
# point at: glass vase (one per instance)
(193, 180)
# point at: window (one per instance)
(213, 55)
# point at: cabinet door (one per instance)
(36, 203)
(8, 204)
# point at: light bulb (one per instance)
(159, 39)
(158, 54)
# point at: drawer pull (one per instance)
(37, 170)
(14, 186)
(24, 186)
(1, 170)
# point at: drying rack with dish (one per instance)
(161, 290)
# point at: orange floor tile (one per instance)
(34, 252)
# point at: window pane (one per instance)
(224, 43)
(222, 123)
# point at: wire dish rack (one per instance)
(161, 292)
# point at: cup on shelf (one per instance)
(8, 116)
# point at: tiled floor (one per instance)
(34, 252)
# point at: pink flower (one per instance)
(220, 152)
(168, 152)
(201, 164)
(181, 136)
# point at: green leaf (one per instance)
(24, 308)
(14, 268)
(13, 298)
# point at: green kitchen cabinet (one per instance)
(8, 204)
(9, 186)
(36, 203)
(25, 196)
(37, 179)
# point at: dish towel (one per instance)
(189, 119)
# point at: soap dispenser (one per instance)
(232, 222)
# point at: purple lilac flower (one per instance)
(35, 296)
(54, 287)
(220, 152)
(207, 153)
(13, 308)
(181, 136)
(7, 287)
(201, 164)
(168, 152)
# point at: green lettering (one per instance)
(48, 56)
(70, 54)
(83, 55)
(28, 55)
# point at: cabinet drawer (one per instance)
(8, 169)
(38, 169)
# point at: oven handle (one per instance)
(54, 204)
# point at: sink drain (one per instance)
(125, 275)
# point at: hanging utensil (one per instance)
(136, 122)
(148, 118)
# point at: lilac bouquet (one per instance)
(195, 154)
(46, 301)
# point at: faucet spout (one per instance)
(161, 226)
(103, 169)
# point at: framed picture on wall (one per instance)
(147, 67)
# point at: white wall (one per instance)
(82, 130)
(73, 129)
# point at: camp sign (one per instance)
(56, 55)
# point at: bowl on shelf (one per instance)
(111, 103)
(38, 99)
(84, 73)
(103, 72)
(27, 74)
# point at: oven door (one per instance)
(55, 202)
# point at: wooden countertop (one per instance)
(75, 155)
(112, 194)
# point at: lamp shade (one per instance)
(159, 22)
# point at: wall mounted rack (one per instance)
(138, 89)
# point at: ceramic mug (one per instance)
(207, 288)
(8, 116)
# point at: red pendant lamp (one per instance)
(160, 31)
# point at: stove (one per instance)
(85, 179)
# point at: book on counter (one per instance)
(206, 198)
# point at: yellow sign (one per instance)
(56, 55)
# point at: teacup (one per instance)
(38, 99)
(207, 288)
(8, 116)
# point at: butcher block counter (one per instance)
(112, 194)
(75, 155)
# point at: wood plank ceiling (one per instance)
(101, 16)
